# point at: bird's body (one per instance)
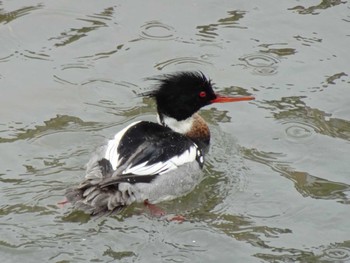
(152, 161)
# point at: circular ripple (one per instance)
(297, 131)
(265, 71)
(339, 253)
(76, 65)
(156, 30)
(259, 60)
(181, 60)
(266, 209)
(262, 64)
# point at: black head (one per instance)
(182, 94)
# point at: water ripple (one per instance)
(268, 209)
(181, 60)
(293, 111)
(6, 58)
(227, 176)
(156, 30)
(76, 65)
(224, 179)
(338, 254)
(104, 54)
(26, 54)
(58, 124)
(36, 55)
(299, 131)
(305, 183)
(262, 64)
(61, 80)
(113, 97)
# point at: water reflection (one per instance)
(339, 252)
(313, 10)
(293, 111)
(105, 14)
(307, 41)
(279, 51)
(42, 157)
(208, 32)
(118, 255)
(306, 184)
(24, 209)
(331, 79)
(60, 123)
(319, 188)
(288, 255)
(95, 22)
(235, 226)
(302, 123)
(7, 17)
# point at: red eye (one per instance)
(202, 94)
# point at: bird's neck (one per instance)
(193, 127)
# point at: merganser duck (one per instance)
(153, 162)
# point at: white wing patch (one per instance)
(111, 154)
(112, 148)
(163, 167)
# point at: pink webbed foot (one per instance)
(154, 210)
(158, 212)
(62, 203)
(177, 218)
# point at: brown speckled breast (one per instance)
(199, 132)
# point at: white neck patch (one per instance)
(178, 126)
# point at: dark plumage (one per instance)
(178, 95)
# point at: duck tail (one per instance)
(92, 196)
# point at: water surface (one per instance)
(277, 184)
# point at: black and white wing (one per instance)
(147, 148)
(138, 154)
